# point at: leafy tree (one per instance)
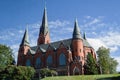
(112, 65)
(47, 72)
(106, 63)
(91, 65)
(8, 71)
(13, 72)
(5, 55)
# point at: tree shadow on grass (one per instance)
(110, 78)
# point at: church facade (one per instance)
(67, 57)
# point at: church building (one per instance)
(67, 56)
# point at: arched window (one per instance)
(28, 63)
(38, 63)
(49, 61)
(62, 59)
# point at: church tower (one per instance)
(44, 36)
(24, 47)
(77, 43)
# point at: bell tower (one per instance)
(44, 36)
(77, 43)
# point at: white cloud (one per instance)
(88, 17)
(58, 24)
(21, 31)
(94, 21)
(90, 21)
(112, 40)
(113, 49)
(96, 43)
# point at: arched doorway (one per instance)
(76, 71)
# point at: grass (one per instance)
(86, 77)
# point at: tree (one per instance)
(47, 72)
(106, 63)
(91, 65)
(13, 72)
(6, 55)
(112, 66)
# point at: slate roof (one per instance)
(85, 43)
(44, 27)
(55, 45)
(76, 32)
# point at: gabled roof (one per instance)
(25, 40)
(54, 45)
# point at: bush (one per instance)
(13, 72)
(47, 72)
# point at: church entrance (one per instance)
(76, 71)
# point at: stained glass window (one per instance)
(38, 63)
(28, 63)
(49, 61)
(62, 59)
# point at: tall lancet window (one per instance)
(28, 63)
(49, 61)
(38, 63)
(62, 59)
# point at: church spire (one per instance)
(25, 40)
(44, 27)
(44, 36)
(76, 32)
(84, 36)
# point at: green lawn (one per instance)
(86, 77)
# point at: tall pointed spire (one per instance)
(44, 36)
(76, 32)
(25, 40)
(84, 36)
(44, 27)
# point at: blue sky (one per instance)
(100, 19)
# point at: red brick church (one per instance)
(67, 56)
